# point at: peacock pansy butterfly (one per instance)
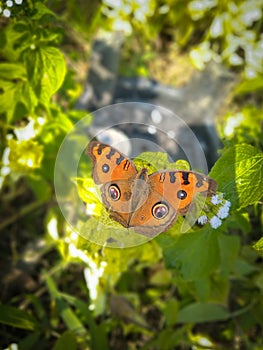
(149, 204)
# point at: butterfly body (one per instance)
(147, 203)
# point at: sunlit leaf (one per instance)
(16, 37)
(7, 95)
(155, 161)
(11, 71)
(46, 71)
(25, 156)
(250, 85)
(41, 10)
(239, 174)
(15, 88)
(89, 194)
(259, 244)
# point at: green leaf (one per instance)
(161, 278)
(250, 85)
(259, 244)
(30, 341)
(213, 289)
(241, 221)
(239, 173)
(16, 89)
(203, 289)
(14, 40)
(170, 312)
(202, 312)
(104, 230)
(66, 341)
(229, 248)
(46, 71)
(26, 95)
(196, 254)
(17, 318)
(88, 193)
(10, 71)
(40, 187)
(98, 332)
(180, 164)
(69, 317)
(219, 289)
(40, 309)
(243, 268)
(6, 95)
(168, 338)
(158, 161)
(25, 156)
(42, 10)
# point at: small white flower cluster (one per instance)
(9, 3)
(222, 212)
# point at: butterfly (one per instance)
(147, 203)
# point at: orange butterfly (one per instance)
(151, 203)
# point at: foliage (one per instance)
(193, 290)
(229, 32)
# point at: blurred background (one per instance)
(61, 61)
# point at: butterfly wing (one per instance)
(147, 221)
(109, 164)
(170, 193)
(117, 197)
(115, 173)
(179, 187)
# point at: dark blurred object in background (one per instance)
(196, 103)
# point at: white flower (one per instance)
(215, 222)
(216, 199)
(27, 132)
(228, 204)
(202, 220)
(232, 123)
(9, 3)
(6, 13)
(224, 210)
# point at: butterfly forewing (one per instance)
(179, 187)
(109, 164)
